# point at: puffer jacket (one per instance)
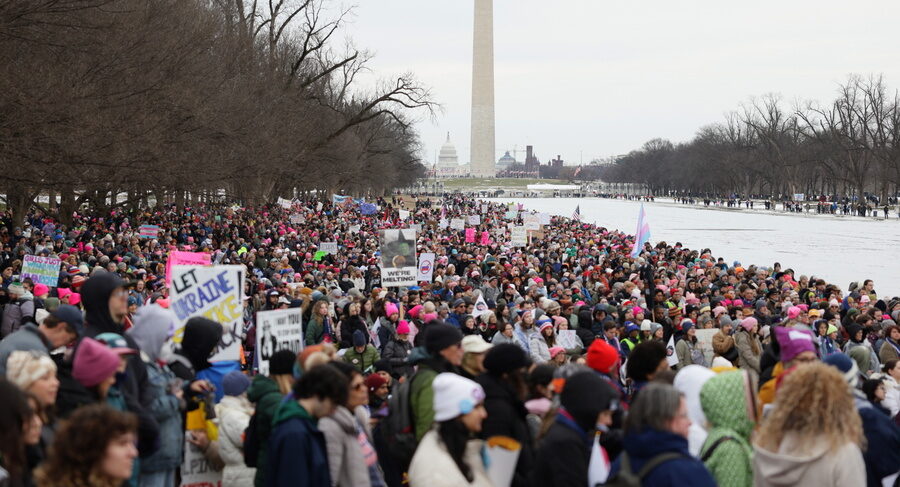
(540, 352)
(233, 416)
(346, 462)
(396, 352)
(748, 360)
(432, 465)
(727, 449)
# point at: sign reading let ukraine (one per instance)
(212, 292)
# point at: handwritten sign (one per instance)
(485, 238)
(177, 257)
(519, 236)
(279, 329)
(41, 270)
(532, 222)
(298, 219)
(474, 219)
(457, 224)
(149, 231)
(470, 235)
(214, 292)
(328, 247)
(196, 471)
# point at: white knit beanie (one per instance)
(25, 367)
(454, 396)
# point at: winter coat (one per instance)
(882, 455)
(317, 330)
(28, 337)
(421, 395)
(365, 361)
(818, 466)
(396, 352)
(727, 449)
(15, 314)
(565, 453)
(685, 349)
(386, 331)
(499, 338)
(747, 360)
(507, 417)
(297, 453)
(233, 415)
(891, 393)
(642, 447)
(166, 409)
(432, 465)
(888, 351)
(266, 395)
(346, 460)
(866, 358)
(350, 325)
(540, 352)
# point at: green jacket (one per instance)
(421, 399)
(263, 392)
(723, 399)
(365, 361)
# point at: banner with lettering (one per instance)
(214, 292)
(149, 231)
(279, 329)
(41, 270)
(177, 257)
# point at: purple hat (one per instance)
(93, 363)
(793, 342)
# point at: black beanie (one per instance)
(439, 336)
(282, 363)
(585, 395)
(504, 358)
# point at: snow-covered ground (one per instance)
(838, 249)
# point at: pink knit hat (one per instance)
(94, 363)
(748, 323)
(390, 308)
(426, 317)
(403, 328)
(793, 312)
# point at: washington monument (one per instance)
(482, 137)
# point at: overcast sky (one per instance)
(591, 78)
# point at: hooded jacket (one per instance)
(727, 451)
(95, 294)
(296, 452)
(233, 416)
(819, 466)
(690, 381)
(642, 447)
(266, 395)
(507, 417)
(345, 457)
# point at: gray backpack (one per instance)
(626, 477)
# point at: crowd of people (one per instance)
(583, 360)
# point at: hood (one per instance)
(689, 381)
(152, 327)
(201, 335)
(95, 295)
(650, 442)
(780, 469)
(261, 386)
(727, 401)
(345, 419)
(288, 410)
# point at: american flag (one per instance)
(577, 214)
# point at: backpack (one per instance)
(398, 427)
(252, 443)
(625, 477)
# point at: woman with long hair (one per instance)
(748, 347)
(350, 322)
(449, 455)
(319, 329)
(15, 422)
(95, 447)
(812, 436)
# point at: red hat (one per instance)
(602, 357)
(374, 381)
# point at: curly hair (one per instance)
(80, 445)
(813, 402)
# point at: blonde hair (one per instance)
(814, 403)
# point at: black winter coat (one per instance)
(565, 454)
(507, 417)
(396, 352)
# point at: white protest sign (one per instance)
(443, 223)
(474, 219)
(214, 292)
(330, 247)
(458, 224)
(481, 307)
(284, 203)
(544, 218)
(404, 214)
(355, 228)
(532, 222)
(519, 236)
(567, 339)
(297, 219)
(484, 208)
(426, 267)
(319, 206)
(280, 329)
(196, 470)
(416, 226)
(704, 343)
(398, 257)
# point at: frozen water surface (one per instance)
(838, 249)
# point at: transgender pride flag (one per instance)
(642, 235)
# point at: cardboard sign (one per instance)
(519, 236)
(41, 270)
(457, 224)
(214, 292)
(532, 222)
(398, 257)
(426, 267)
(196, 471)
(280, 329)
(328, 247)
(286, 204)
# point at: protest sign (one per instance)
(398, 257)
(41, 270)
(214, 292)
(481, 307)
(511, 215)
(567, 339)
(416, 226)
(355, 228)
(443, 223)
(196, 471)
(279, 329)
(426, 267)
(403, 214)
(704, 343)
(474, 219)
(177, 257)
(286, 204)
(329, 247)
(532, 222)
(457, 224)
(519, 236)
(319, 206)
(485, 238)
(297, 219)
(470, 235)
(150, 231)
(544, 218)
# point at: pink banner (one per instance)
(470, 235)
(177, 257)
(485, 238)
